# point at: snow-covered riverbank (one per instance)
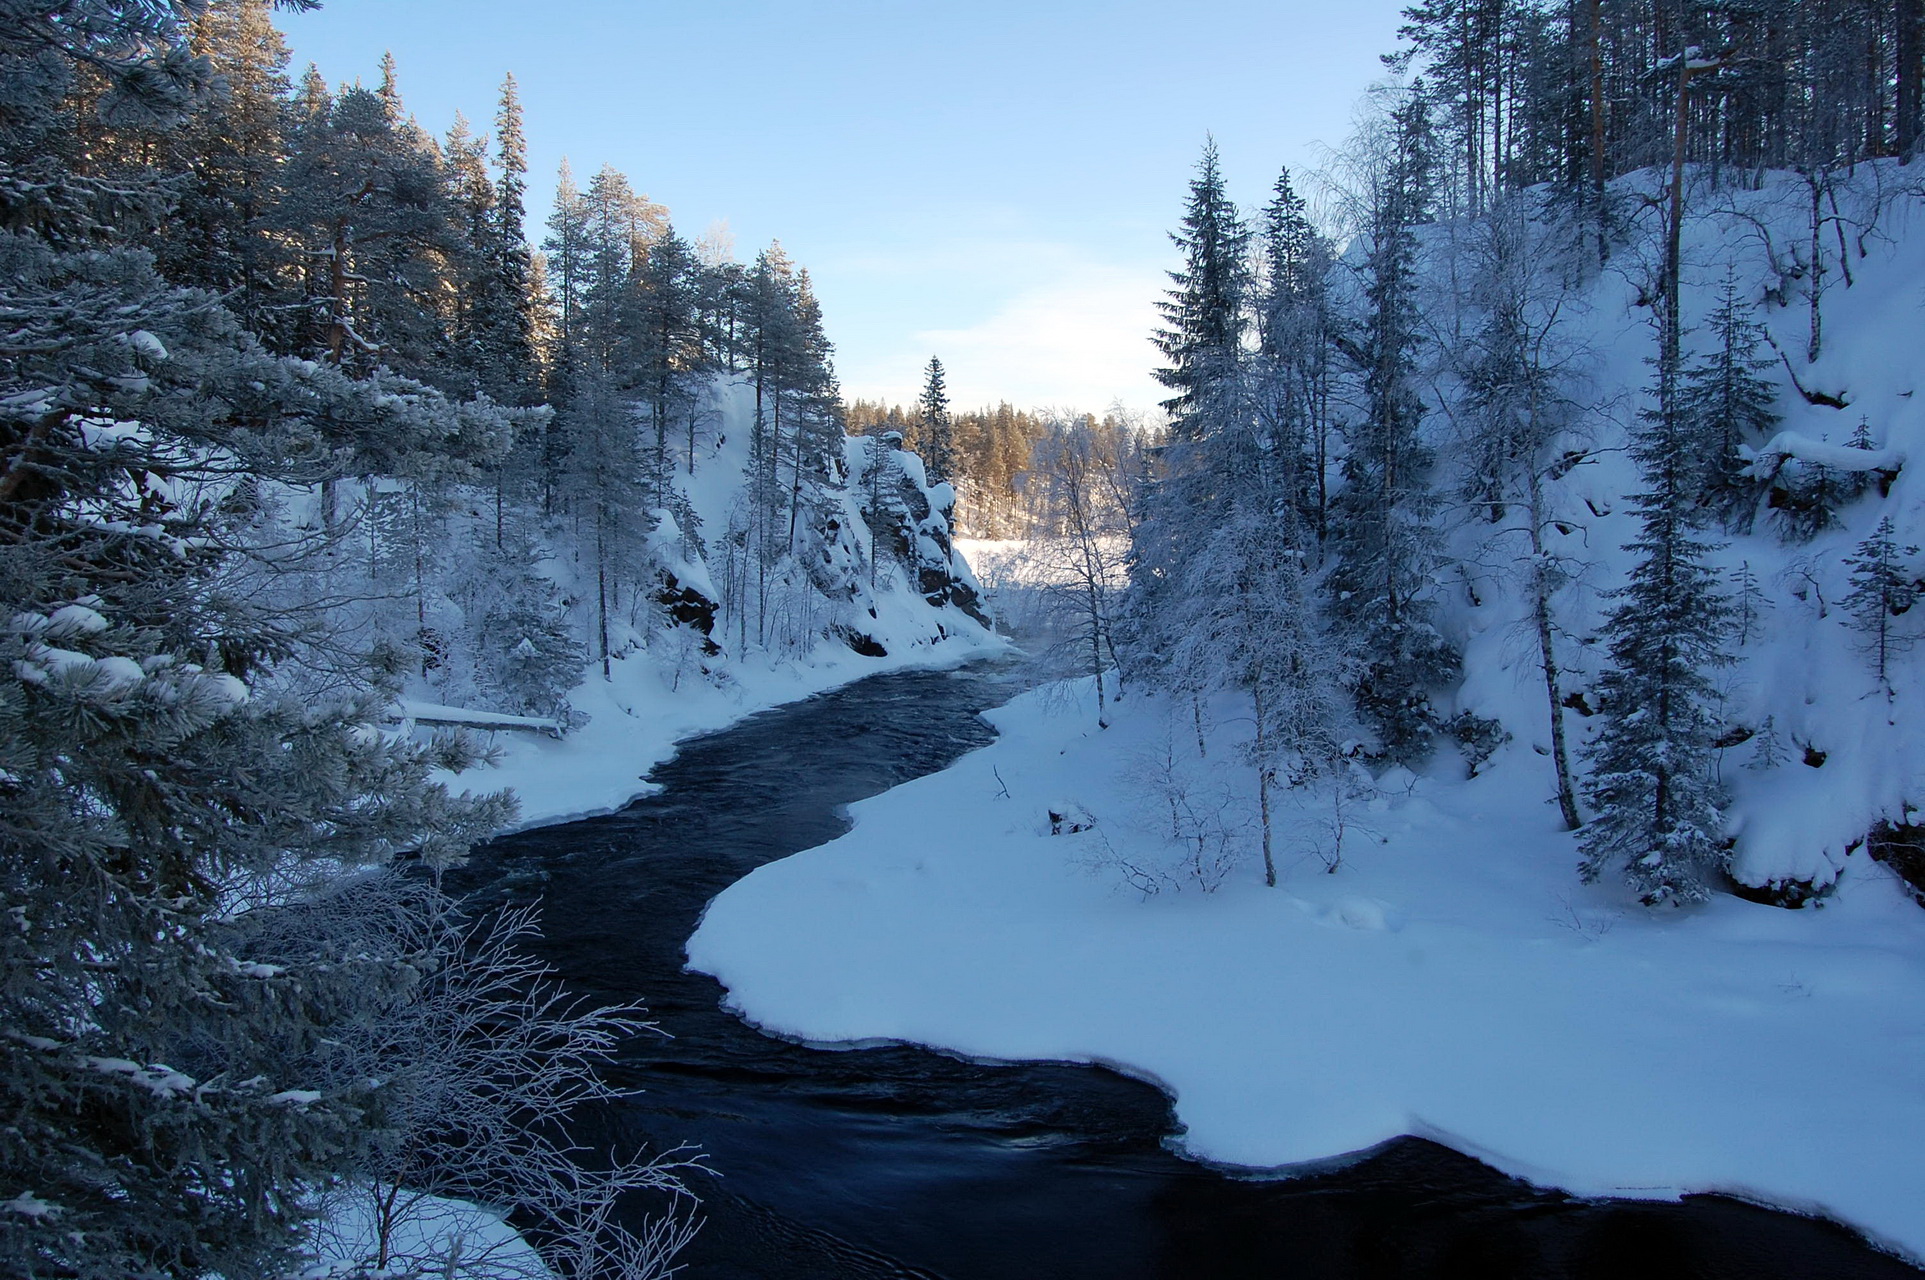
(637, 717)
(1450, 979)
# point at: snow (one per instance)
(147, 345)
(636, 717)
(159, 1079)
(436, 713)
(1789, 444)
(428, 1232)
(119, 674)
(659, 691)
(74, 620)
(27, 1204)
(1451, 979)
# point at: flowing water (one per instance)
(897, 1161)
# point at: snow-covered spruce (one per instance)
(1427, 962)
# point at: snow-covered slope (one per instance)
(1821, 753)
(695, 663)
(1430, 962)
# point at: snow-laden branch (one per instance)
(1838, 457)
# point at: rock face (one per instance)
(684, 606)
(911, 523)
(1901, 846)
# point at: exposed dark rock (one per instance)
(1789, 893)
(862, 642)
(687, 607)
(1901, 846)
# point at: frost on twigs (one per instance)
(471, 1068)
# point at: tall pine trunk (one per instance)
(1547, 656)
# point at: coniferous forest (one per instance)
(1527, 520)
(297, 420)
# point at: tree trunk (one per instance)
(1674, 246)
(1547, 655)
(1263, 786)
(601, 587)
(1814, 342)
(1595, 48)
(1910, 58)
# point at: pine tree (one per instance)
(368, 201)
(935, 429)
(1205, 322)
(666, 345)
(1723, 403)
(165, 763)
(1204, 314)
(232, 152)
(819, 470)
(567, 248)
(1882, 590)
(1652, 782)
(1381, 519)
(471, 193)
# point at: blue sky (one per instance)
(991, 182)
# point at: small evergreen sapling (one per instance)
(1883, 590)
(1749, 603)
(1723, 403)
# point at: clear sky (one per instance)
(990, 181)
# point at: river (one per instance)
(896, 1161)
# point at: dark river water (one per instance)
(897, 1161)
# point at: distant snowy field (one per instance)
(1451, 979)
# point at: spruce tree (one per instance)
(935, 429)
(1651, 782)
(1515, 411)
(508, 327)
(1205, 321)
(607, 479)
(1723, 403)
(1381, 530)
(1292, 357)
(1883, 589)
(169, 753)
(1204, 314)
(1245, 620)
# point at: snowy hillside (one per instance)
(1816, 751)
(1430, 962)
(875, 586)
